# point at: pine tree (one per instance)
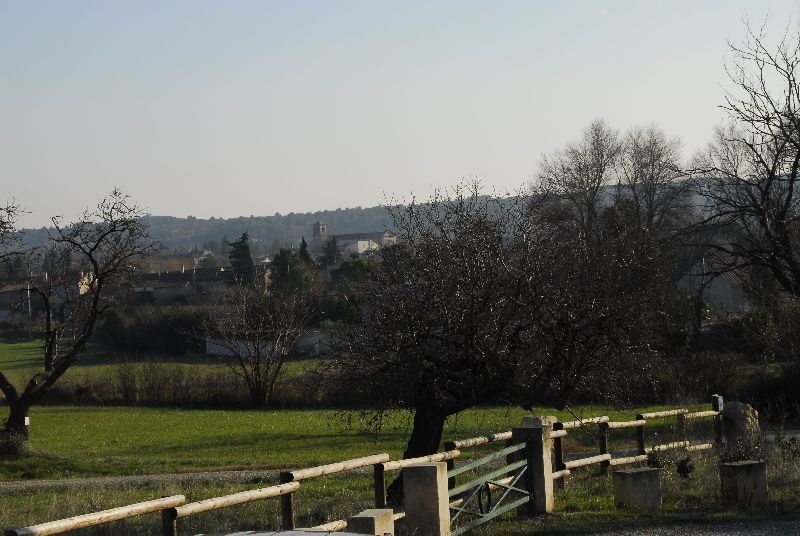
(241, 261)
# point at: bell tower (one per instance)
(319, 232)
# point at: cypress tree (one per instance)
(240, 260)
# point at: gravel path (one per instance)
(252, 476)
(737, 528)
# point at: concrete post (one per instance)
(375, 521)
(535, 431)
(639, 489)
(744, 484)
(425, 499)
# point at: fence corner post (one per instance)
(535, 431)
(426, 499)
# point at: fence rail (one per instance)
(99, 518)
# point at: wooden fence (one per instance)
(175, 507)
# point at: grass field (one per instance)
(85, 441)
(90, 441)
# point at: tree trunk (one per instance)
(258, 396)
(14, 441)
(426, 436)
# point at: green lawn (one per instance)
(82, 441)
(85, 441)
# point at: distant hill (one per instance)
(267, 233)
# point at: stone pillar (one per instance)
(638, 489)
(375, 521)
(744, 484)
(427, 505)
(539, 478)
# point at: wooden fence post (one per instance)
(717, 404)
(681, 422)
(451, 464)
(535, 431)
(169, 522)
(379, 479)
(602, 440)
(287, 503)
(640, 436)
(558, 456)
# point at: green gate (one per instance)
(473, 501)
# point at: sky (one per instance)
(241, 108)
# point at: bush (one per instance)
(153, 384)
(151, 330)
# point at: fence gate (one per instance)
(504, 487)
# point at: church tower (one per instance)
(319, 233)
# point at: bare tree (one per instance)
(579, 176)
(487, 300)
(748, 174)
(9, 238)
(88, 258)
(650, 174)
(259, 328)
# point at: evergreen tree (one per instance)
(290, 274)
(240, 260)
(305, 256)
(331, 252)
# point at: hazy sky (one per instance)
(237, 108)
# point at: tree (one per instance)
(651, 176)
(289, 274)
(474, 305)
(107, 240)
(331, 252)
(259, 329)
(305, 256)
(748, 174)
(578, 177)
(241, 261)
(9, 238)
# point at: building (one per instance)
(359, 243)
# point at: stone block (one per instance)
(425, 499)
(742, 431)
(638, 489)
(744, 484)
(375, 521)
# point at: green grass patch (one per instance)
(89, 441)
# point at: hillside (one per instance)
(267, 233)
